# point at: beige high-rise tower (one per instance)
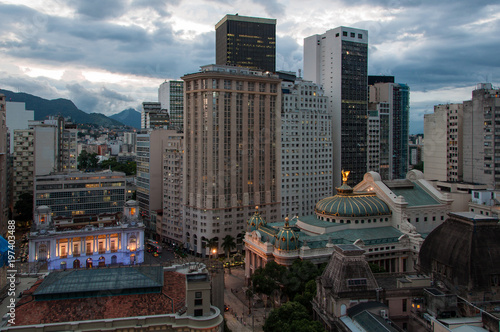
(232, 131)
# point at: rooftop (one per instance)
(76, 283)
(415, 196)
(170, 299)
(250, 19)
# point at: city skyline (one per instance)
(114, 55)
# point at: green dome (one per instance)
(255, 221)
(352, 205)
(286, 238)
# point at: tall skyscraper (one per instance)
(389, 106)
(171, 97)
(480, 142)
(338, 60)
(171, 227)
(248, 42)
(306, 148)
(149, 158)
(232, 164)
(443, 153)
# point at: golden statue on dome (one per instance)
(345, 175)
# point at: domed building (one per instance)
(388, 219)
(464, 254)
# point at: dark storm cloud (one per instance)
(106, 93)
(116, 48)
(99, 9)
(45, 88)
(83, 98)
(160, 6)
(440, 44)
(272, 7)
(101, 100)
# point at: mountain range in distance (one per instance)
(66, 108)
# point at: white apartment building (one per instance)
(17, 117)
(171, 227)
(306, 148)
(373, 137)
(443, 152)
(23, 162)
(481, 139)
(149, 180)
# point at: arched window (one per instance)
(102, 261)
(76, 264)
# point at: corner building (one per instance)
(232, 126)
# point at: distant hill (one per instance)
(63, 107)
(129, 117)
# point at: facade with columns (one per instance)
(87, 241)
(387, 219)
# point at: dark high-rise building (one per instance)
(248, 42)
(338, 60)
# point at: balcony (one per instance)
(114, 250)
(89, 253)
(76, 254)
(102, 251)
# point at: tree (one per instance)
(86, 160)
(24, 207)
(83, 160)
(228, 244)
(291, 316)
(296, 278)
(93, 160)
(128, 167)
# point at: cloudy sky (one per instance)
(108, 55)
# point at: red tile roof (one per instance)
(29, 311)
